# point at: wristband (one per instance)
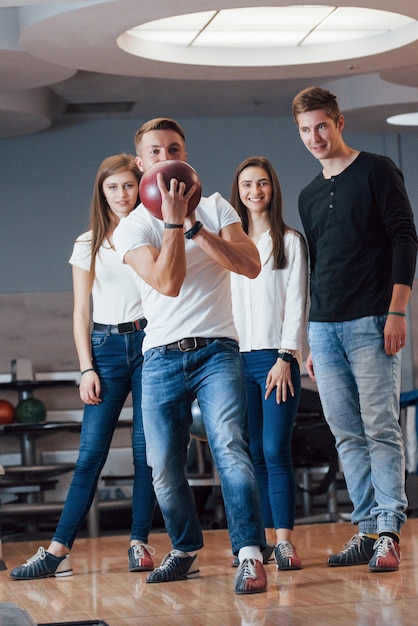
(189, 234)
(90, 369)
(397, 313)
(286, 355)
(168, 225)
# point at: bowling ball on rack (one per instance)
(30, 411)
(150, 194)
(7, 412)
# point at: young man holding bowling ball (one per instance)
(191, 351)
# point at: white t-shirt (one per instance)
(270, 311)
(115, 294)
(203, 307)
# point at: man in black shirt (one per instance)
(363, 244)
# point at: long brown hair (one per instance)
(278, 227)
(101, 217)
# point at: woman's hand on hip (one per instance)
(280, 377)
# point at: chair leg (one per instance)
(3, 565)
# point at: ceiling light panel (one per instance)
(249, 38)
(270, 18)
(353, 18)
(291, 35)
(404, 119)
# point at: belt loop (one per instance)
(137, 325)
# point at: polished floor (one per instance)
(102, 588)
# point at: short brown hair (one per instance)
(158, 123)
(313, 99)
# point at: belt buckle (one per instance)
(126, 327)
(189, 348)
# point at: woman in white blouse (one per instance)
(270, 314)
(108, 326)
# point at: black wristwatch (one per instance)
(189, 234)
(286, 356)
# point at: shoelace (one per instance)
(168, 561)
(286, 550)
(354, 541)
(383, 546)
(40, 555)
(139, 550)
(249, 570)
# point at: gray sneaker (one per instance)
(43, 565)
(176, 565)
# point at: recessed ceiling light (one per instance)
(270, 36)
(404, 119)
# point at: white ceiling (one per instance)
(60, 64)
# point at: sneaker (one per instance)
(266, 553)
(251, 577)
(358, 551)
(139, 558)
(43, 565)
(286, 557)
(176, 565)
(386, 557)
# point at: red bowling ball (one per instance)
(150, 194)
(7, 412)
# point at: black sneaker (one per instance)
(358, 551)
(176, 565)
(43, 565)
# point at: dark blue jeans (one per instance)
(118, 361)
(171, 381)
(270, 427)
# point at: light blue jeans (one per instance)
(171, 381)
(359, 387)
(118, 361)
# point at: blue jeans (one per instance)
(270, 427)
(171, 381)
(118, 361)
(359, 387)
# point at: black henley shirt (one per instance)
(362, 239)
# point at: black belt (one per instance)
(126, 327)
(189, 343)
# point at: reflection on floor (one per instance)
(102, 588)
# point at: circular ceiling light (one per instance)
(270, 36)
(404, 119)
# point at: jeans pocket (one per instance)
(98, 339)
(379, 322)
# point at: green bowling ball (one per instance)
(30, 411)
